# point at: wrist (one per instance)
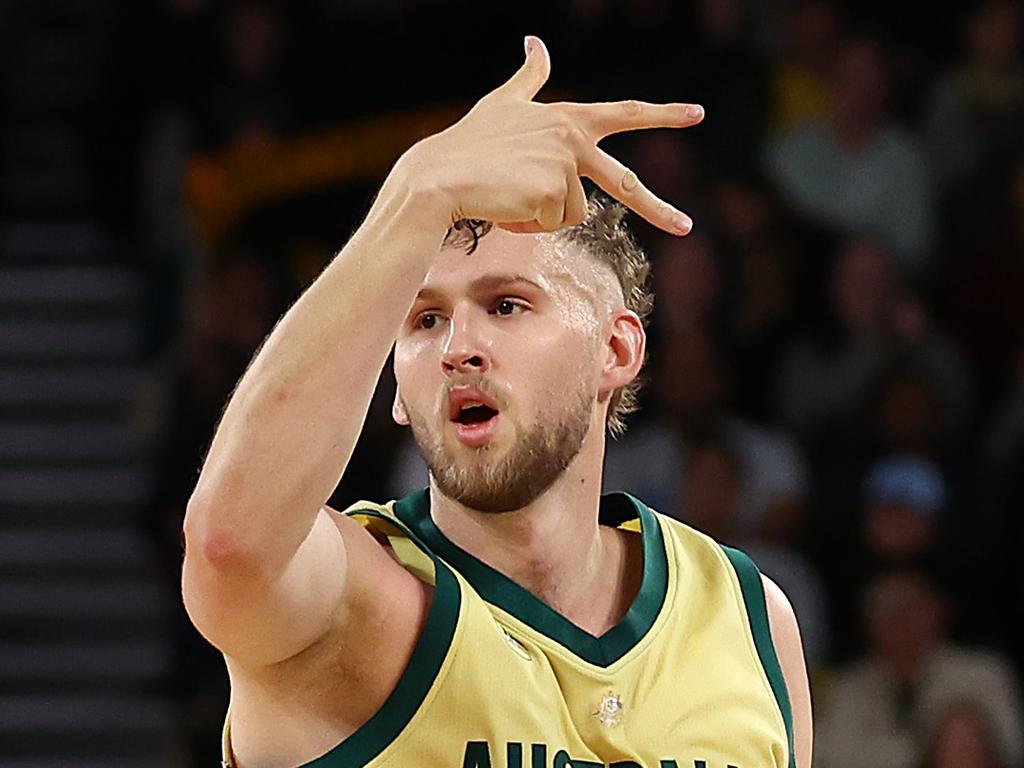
(409, 215)
(414, 178)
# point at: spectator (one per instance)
(246, 99)
(962, 738)
(825, 377)
(725, 66)
(879, 709)
(801, 82)
(761, 248)
(859, 171)
(904, 497)
(975, 117)
(828, 377)
(688, 285)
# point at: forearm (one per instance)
(290, 427)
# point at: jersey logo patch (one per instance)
(609, 712)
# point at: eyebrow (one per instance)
(484, 283)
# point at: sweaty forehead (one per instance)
(558, 267)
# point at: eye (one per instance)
(508, 307)
(427, 320)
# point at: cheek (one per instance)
(413, 367)
(558, 366)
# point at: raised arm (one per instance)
(266, 566)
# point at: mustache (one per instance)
(476, 381)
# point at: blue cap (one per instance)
(909, 480)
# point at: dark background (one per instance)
(836, 372)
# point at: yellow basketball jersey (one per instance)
(687, 679)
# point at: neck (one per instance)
(554, 547)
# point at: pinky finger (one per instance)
(622, 184)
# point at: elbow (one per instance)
(211, 543)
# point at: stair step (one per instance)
(69, 385)
(32, 241)
(97, 714)
(68, 340)
(76, 513)
(112, 547)
(74, 761)
(67, 441)
(95, 285)
(76, 599)
(119, 486)
(87, 629)
(106, 663)
(78, 762)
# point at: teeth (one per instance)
(470, 404)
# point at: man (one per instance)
(489, 621)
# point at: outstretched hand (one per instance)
(518, 162)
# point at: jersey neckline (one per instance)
(501, 591)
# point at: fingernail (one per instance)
(682, 223)
(528, 44)
(694, 110)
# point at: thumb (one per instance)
(530, 77)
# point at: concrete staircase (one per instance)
(84, 646)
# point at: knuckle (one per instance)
(554, 192)
(563, 131)
(629, 184)
(568, 132)
(633, 108)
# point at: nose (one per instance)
(464, 350)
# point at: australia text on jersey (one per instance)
(478, 755)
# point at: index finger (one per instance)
(605, 118)
(622, 184)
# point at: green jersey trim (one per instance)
(757, 614)
(416, 681)
(499, 590)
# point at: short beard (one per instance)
(531, 466)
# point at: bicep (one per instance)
(262, 618)
(789, 649)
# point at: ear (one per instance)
(398, 412)
(626, 345)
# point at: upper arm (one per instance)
(260, 617)
(789, 650)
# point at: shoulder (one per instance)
(781, 617)
(785, 634)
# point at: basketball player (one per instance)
(509, 615)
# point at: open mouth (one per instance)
(475, 414)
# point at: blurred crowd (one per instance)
(836, 374)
